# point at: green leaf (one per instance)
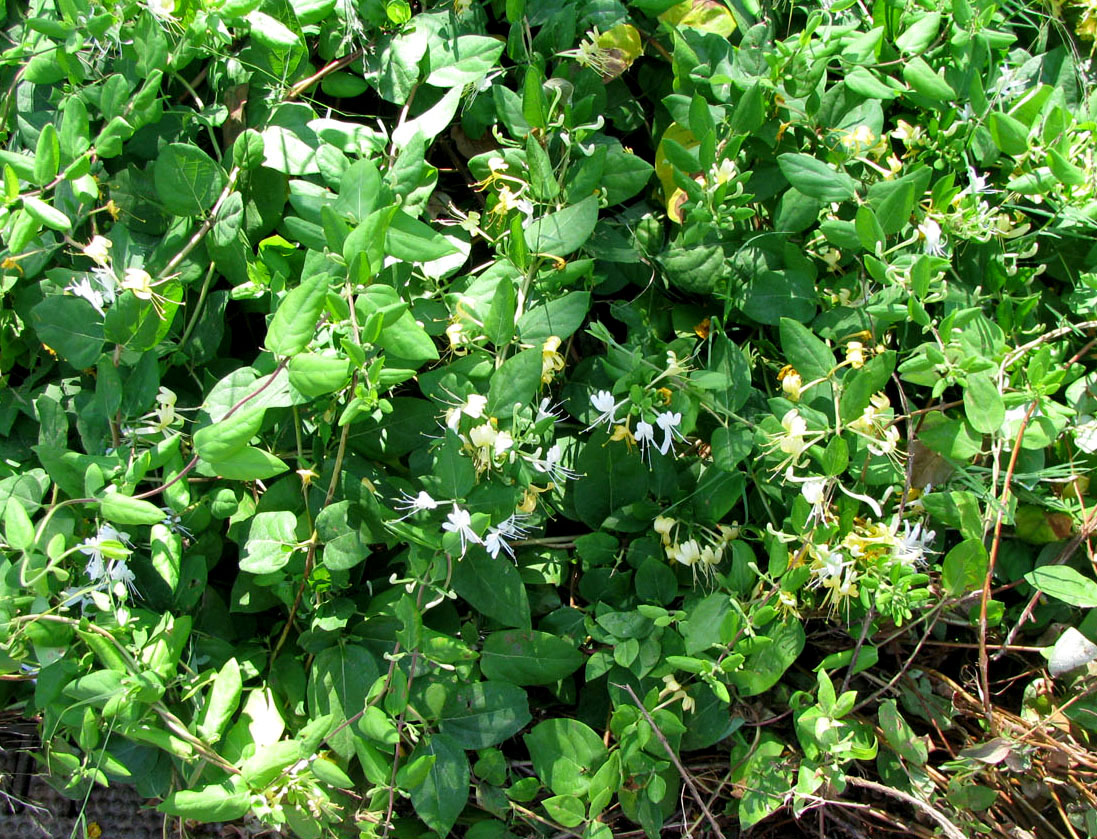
(956, 509)
(859, 386)
(494, 588)
(983, 403)
(810, 356)
(542, 179)
(566, 810)
(407, 340)
(565, 754)
(221, 703)
(228, 220)
(484, 714)
(359, 190)
(815, 178)
(613, 479)
(166, 549)
(122, 509)
(764, 667)
(917, 37)
(411, 240)
(1009, 134)
(499, 323)
(774, 295)
(1064, 583)
(212, 803)
(730, 447)
(442, 795)
(18, 530)
(564, 231)
(43, 213)
(47, 155)
(462, 60)
(515, 383)
(560, 316)
(866, 83)
(766, 783)
(294, 324)
(314, 375)
(749, 114)
(246, 464)
(223, 439)
(705, 621)
(893, 212)
(311, 11)
(868, 228)
(964, 567)
(288, 151)
(271, 32)
(270, 544)
(900, 736)
(921, 77)
(187, 179)
(528, 657)
(339, 680)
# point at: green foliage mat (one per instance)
(579, 417)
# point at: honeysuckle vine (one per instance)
(466, 418)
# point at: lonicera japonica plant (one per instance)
(506, 418)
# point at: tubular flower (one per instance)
(669, 422)
(415, 504)
(551, 360)
(791, 382)
(460, 522)
(98, 250)
(602, 401)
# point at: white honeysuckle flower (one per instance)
(930, 231)
(912, 545)
(98, 250)
(460, 522)
(415, 504)
(664, 525)
(546, 409)
(645, 436)
(139, 281)
(977, 184)
(829, 565)
(162, 9)
(114, 541)
(83, 289)
(509, 529)
(473, 407)
(669, 422)
(602, 401)
(502, 443)
(106, 566)
(688, 553)
(105, 278)
(792, 442)
(483, 436)
(550, 465)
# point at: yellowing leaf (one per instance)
(706, 15)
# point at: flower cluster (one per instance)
(871, 556)
(701, 549)
(107, 570)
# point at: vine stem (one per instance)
(327, 70)
(310, 557)
(984, 661)
(949, 829)
(686, 777)
(207, 225)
